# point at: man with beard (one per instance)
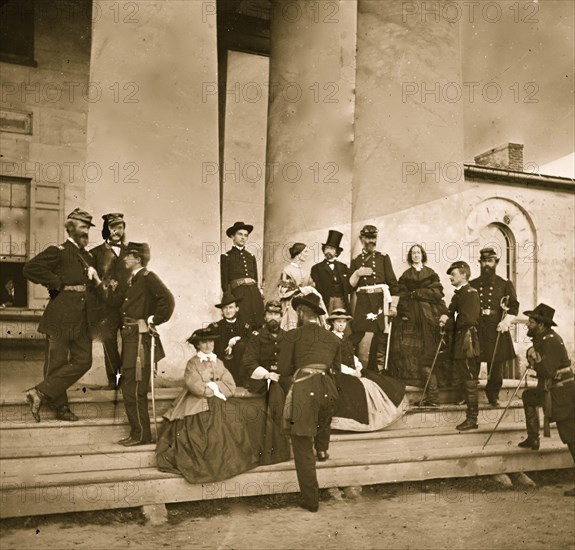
(375, 284)
(109, 263)
(66, 271)
(331, 277)
(239, 275)
(309, 357)
(555, 390)
(493, 323)
(233, 337)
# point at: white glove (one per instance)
(442, 320)
(357, 363)
(217, 393)
(505, 324)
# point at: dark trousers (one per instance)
(135, 384)
(68, 358)
(465, 376)
(495, 381)
(377, 349)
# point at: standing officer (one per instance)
(66, 271)
(308, 358)
(494, 292)
(330, 276)
(109, 263)
(461, 326)
(239, 274)
(375, 283)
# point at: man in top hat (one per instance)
(66, 271)
(461, 328)
(331, 277)
(376, 287)
(495, 322)
(309, 357)
(555, 390)
(239, 274)
(234, 335)
(109, 263)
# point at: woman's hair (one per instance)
(295, 249)
(423, 254)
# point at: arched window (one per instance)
(501, 238)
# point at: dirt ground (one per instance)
(454, 514)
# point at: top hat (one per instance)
(542, 314)
(206, 333)
(310, 300)
(457, 265)
(114, 217)
(231, 231)
(273, 306)
(487, 254)
(141, 249)
(334, 239)
(81, 216)
(227, 299)
(339, 313)
(368, 231)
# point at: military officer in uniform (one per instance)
(109, 263)
(494, 293)
(461, 328)
(234, 335)
(239, 275)
(309, 357)
(66, 271)
(331, 277)
(375, 283)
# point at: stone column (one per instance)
(153, 134)
(310, 129)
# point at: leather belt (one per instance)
(314, 368)
(488, 312)
(75, 288)
(240, 282)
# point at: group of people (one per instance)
(296, 355)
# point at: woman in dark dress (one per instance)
(416, 333)
(199, 439)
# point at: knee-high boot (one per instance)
(472, 406)
(532, 423)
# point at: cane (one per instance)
(152, 374)
(503, 305)
(441, 341)
(524, 377)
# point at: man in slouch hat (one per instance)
(495, 293)
(67, 272)
(331, 277)
(376, 288)
(239, 275)
(109, 263)
(309, 357)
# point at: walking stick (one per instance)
(152, 374)
(441, 341)
(388, 344)
(503, 305)
(524, 377)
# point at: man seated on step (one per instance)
(555, 390)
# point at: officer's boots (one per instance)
(431, 397)
(472, 398)
(532, 422)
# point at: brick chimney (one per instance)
(508, 157)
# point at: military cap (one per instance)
(273, 306)
(206, 333)
(141, 249)
(227, 299)
(114, 217)
(81, 216)
(542, 314)
(231, 231)
(339, 313)
(369, 231)
(487, 253)
(458, 265)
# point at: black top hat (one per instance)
(81, 216)
(227, 299)
(141, 249)
(273, 306)
(339, 314)
(457, 265)
(542, 314)
(206, 333)
(368, 231)
(334, 239)
(113, 217)
(231, 231)
(487, 254)
(310, 300)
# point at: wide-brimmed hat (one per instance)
(310, 300)
(487, 254)
(206, 333)
(369, 231)
(231, 231)
(113, 217)
(81, 216)
(339, 313)
(227, 299)
(458, 265)
(543, 314)
(334, 239)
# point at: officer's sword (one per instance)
(524, 377)
(503, 305)
(441, 341)
(152, 374)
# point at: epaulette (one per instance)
(548, 336)
(471, 289)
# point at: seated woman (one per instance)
(366, 403)
(199, 440)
